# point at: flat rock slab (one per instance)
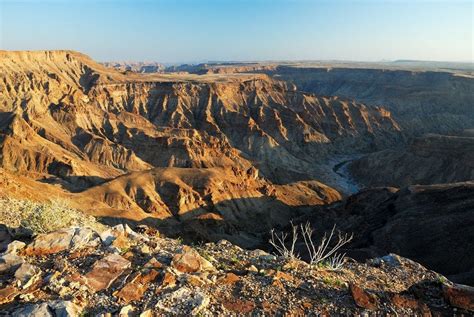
(66, 239)
(105, 271)
(135, 289)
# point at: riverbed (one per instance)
(339, 175)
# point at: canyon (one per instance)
(231, 151)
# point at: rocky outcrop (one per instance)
(157, 276)
(431, 159)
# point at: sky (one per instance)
(175, 31)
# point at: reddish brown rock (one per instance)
(105, 271)
(190, 261)
(154, 263)
(362, 298)
(403, 301)
(229, 279)
(195, 280)
(121, 242)
(135, 289)
(239, 305)
(169, 280)
(461, 296)
(282, 275)
(51, 243)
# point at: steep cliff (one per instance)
(421, 101)
(429, 159)
(73, 117)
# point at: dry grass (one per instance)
(42, 217)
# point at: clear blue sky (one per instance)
(199, 30)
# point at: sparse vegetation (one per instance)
(325, 253)
(42, 217)
(333, 281)
(279, 242)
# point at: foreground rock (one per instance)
(213, 279)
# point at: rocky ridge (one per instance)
(121, 272)
(138, 67)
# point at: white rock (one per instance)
(108, 237)
(27, 274)
(127, 311)
(84, 237)
(64, 308)
(9, 262)
(33, 310)
(14, 246)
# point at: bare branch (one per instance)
(278, 241)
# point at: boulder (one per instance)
(9, 262)
(58, 308)
(34, 310)
(14, 247)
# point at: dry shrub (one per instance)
(42, 217)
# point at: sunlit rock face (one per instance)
(69, 121)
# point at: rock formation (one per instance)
(422, 101)
(69, 121)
